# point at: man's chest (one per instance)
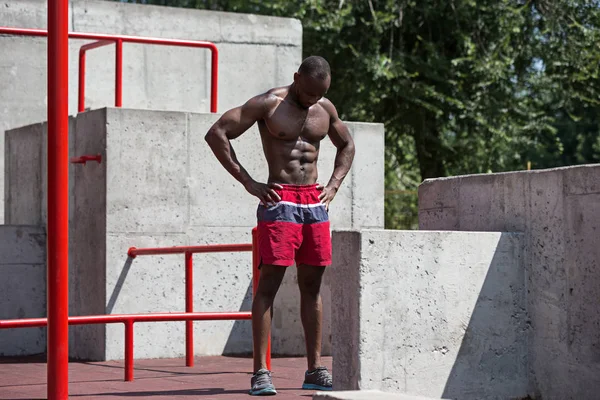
(287, 124)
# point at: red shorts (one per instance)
(296, 229)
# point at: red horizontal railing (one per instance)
(189, 277)
(211, 248)
(128, 320)
(105, 39)
(189, 316)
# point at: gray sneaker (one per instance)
(319, 379)
(261, 384)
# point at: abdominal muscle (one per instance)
(291, 161)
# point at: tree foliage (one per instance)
(462, 86)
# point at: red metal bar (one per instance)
(255, 280)
(58, 201)
(213, 79)
(123, 318)
(134, 39)
(189, 307)
(211, 248)
(119, 73)
(129, 350)
(82, 51)
(86, 158)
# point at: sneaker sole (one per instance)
(310, 386)
(263, 392)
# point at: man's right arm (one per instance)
(231, 125)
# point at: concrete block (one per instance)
(147, 20)
(368, 176)
(287, 59)
(145, 284)
(147, 165)
(366, 395)
(21, 244)
(222, 282)
(26, 174)
(438, 204)
(457, 328)
(244, 28)
(515, 218)
(23, 180)
(340, 209)
(87, 236)
(27, 14)
(159, 77)
(22, 287)
(211, 184)
(22, 295)
(479, 200)
(168, 82)
(244, 82)
(556, 209)
(582, 255)
(581, 180)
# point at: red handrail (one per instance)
(105, 39)
(128, 320)
(189, 280)
(189, 316)
(209, 248)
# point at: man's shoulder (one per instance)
(328, 106)
(266, 100)
(279, 92)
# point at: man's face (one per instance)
(309, 89)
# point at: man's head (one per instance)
(312, 80)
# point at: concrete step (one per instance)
(366, 395)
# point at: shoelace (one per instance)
(264, 378)
(322, 376)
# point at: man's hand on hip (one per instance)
(265, 192)
(327, 195)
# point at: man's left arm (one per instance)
(341, 139)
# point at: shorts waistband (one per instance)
(298, 188)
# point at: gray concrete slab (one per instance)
(558, 212)
(439, 314)
(22, 287)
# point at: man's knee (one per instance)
(310, 279)
(270, 280)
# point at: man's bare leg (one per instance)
(311, 311)
(262, 311)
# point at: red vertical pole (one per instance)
(256, 279)
(119, 73)
(214, 77)
(58, 201)
(129, 350)
(189, 307)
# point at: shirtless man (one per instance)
(293, 221)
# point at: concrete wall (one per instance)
(558, 210)
(160, 185)
(255, 54)
(22, 287)
(437, 314)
